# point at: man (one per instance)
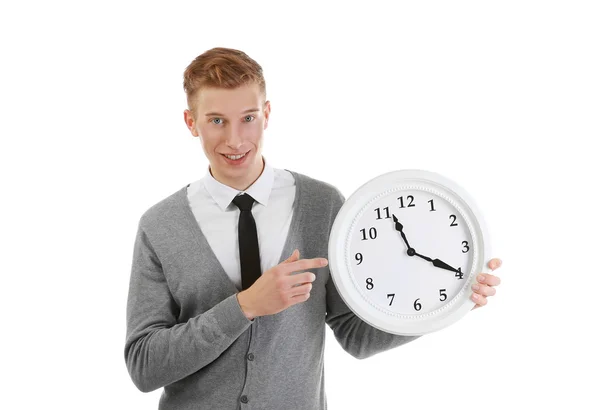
(198, 324)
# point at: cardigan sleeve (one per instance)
(158, 350)
(355, 336)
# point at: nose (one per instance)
(232, 138)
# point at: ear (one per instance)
(267, 113)
(189, 122)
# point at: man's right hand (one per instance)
(277, 289)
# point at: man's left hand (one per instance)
(485, 285)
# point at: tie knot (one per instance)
(244, 202)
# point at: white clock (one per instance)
(405, 249)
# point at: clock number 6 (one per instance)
(417, 305)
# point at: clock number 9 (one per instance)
(359, 258)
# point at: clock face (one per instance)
(405, 249)
(421, 273)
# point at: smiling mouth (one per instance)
(235, 157)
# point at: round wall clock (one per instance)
(405, 249)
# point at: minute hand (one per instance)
(438, 263)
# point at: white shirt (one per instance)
(274, 192)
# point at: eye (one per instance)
(217, 119)
(249, 118)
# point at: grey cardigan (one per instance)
(187, 333)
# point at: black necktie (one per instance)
(248, 241)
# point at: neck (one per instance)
(244, 182)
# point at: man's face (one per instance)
(231, 123)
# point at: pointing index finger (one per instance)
(304, 264)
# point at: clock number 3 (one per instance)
(465, 246)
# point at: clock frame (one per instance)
(417, 271)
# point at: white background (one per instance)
(501, 97)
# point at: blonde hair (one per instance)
(221, 67)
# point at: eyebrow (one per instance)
(208, 114)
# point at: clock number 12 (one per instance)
(410, 204)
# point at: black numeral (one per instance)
(443, 294)
(453, 223)
(359, 258)
(459, 274)
(410, 198)
(417, 305)
(392, 295)
(387, 212)
(431, 203)
(372, 234)
(466, 247)
(370, 283)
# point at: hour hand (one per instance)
(399, 228)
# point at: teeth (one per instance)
(235, 157)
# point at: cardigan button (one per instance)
(250, 356)
(244, 399)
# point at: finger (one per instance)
(301, 290)
(488, 279)
(494, 264)
(304, 264)
(294, 257)
(301, 278)
(484, 290)
(479, 299)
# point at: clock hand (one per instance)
(399, 227)
(423, 257)
(438, 263)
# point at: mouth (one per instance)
(235, 158)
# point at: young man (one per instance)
(196, 324)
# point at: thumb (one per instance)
(294, 257)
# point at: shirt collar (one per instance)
(223, 194)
